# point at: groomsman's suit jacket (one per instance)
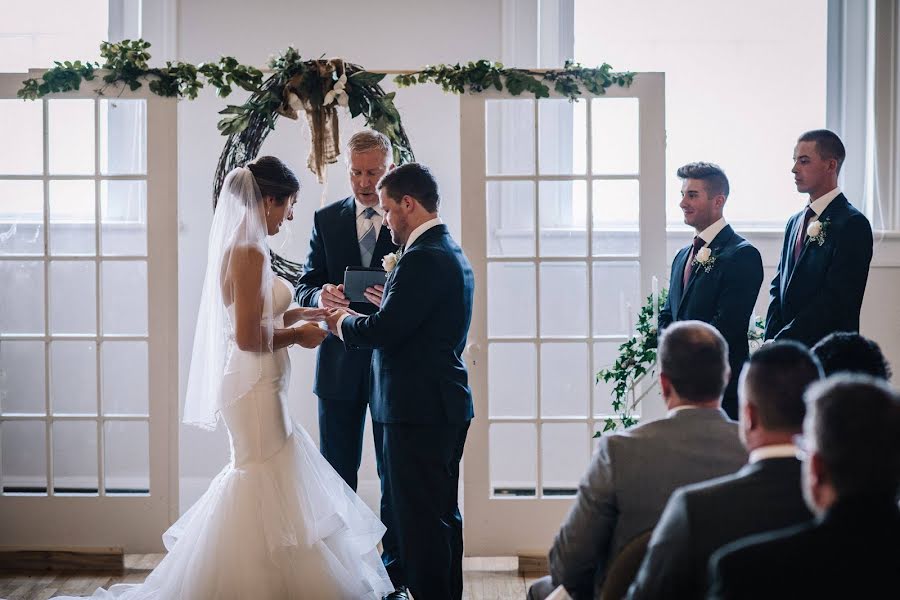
(333, 247)
(419, 335)
(627, 485)
(853, 552)
(723, 297)
(699, 519)
(823, 292)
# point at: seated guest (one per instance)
(847, 352)
(633, 472)
(764, 495)
(851, 473)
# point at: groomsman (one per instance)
(824, 265)
(717, 277)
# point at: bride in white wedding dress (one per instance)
(278, 521)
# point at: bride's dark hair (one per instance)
(274, 178)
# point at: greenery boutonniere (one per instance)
(816, 231)
(704, 259)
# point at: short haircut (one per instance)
(775, 378)
(855, 427)
(848, 352)
(712, 176)
(694, 356)
(412, 179)
(368, 140)
(828, 145)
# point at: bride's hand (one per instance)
(310, 335)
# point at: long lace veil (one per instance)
(221, 372)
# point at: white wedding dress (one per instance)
(278, 521)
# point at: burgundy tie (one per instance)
(689, 266)
(801, 235)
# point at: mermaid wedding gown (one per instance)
(278, 521)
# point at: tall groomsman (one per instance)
(717, 277)
(824, 265)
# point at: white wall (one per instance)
(392, 34)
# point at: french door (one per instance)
(563, 219)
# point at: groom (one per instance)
(421, 395)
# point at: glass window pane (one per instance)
(72, 217)
(23, 448)
(22, 121)
(123, 137)
(75, 457)
(123, 217)
(73, 301)
(124, 289)
(125, 378)
(71, 130)
(21, 297)
(511, 300)
(563, 140)
(73, 377)
(22, 377)
(509, 127)
(615, 136)
(605, 354)
(21, 217)
(127, 457)
(511, 380)
(564, 299)
(563, 209)
(510, 218)
(616, 297)
(564, 457)
(513, 459)
(616, 212)
(565, 380)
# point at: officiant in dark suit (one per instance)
(821, 278)
(716, 278)
(347, 233)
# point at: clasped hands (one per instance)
(337, 305)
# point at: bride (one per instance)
(278, 521)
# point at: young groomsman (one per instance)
(716, 278)
(824, 265)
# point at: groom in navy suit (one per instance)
(347, 233)
(715, 279)
(421, 393)
(821, 278)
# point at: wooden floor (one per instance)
(484, 579)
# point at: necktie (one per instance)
(689, 266)
(368, 238)
(801, 235)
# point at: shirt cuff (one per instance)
(319, 300)
(340, 331)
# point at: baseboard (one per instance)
(532, 565)
(42, 560)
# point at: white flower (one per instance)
(294, 101)
(329, 98)
(343, 99)
(389, 262)
(340, 83)
(814, 229)
(703, 255)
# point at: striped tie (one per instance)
(368, 239)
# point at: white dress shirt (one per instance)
(773, 451)
(710, 233)
(377, 219)
(821, 203)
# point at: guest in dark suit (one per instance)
(715, 279)
(346, 233)
(851, 474)
(764, 495)
(821, 277)
(846, 352)
(421, 393)
(632, 473)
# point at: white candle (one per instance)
(655, 300)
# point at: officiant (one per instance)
(347, 233)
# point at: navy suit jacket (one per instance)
(724, 297)
(333, 247)
(823, 292)
(419, 335)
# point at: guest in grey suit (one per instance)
(633, 472)
(764, 495)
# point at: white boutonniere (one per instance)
(704, 259)
(389, 261)
(337, 92)
(816, 231)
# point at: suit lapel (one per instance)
(383, 246)
(715, 248)
(677, 283)
(348, 226)
(833, 206)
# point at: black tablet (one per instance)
(357, 279)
